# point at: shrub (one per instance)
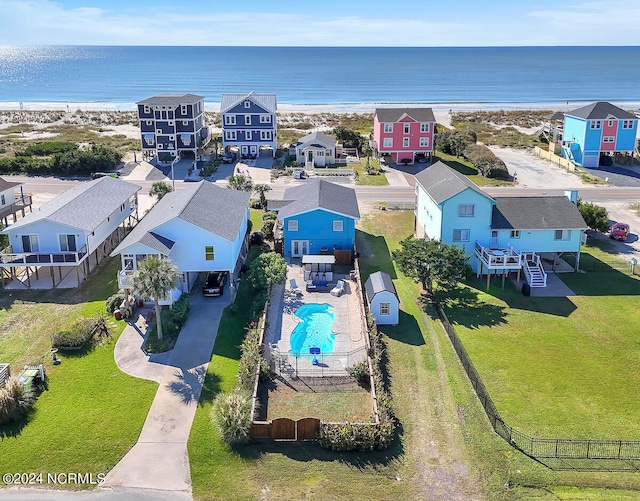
(454, 142)
(250, 360)
(46, 148)
(267, 229)
(15, 401)
(80, 332)
(114, 302)
(255, 203)
(173, 319)
(486, 162)
(210, 168)
(595, 216)
(231, 414)
(256, 238)
(348, 436)
(270, 215)
(179, 313)
(360, 372)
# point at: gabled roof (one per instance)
(266, 101)
(210, 207)
(320, 194)
(171, 99)
(395, 114)
(441, 182)
(601, 111)
(324, 140)
(379, 282)
(6, 185)
(536, 213)
(85, 206)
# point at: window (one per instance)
(121, 207)
(387, 142)
(163, 115)
(149, 122)
(388, 128)
(172, 138)
(183, 109)
(609, 139)
(338, 226)
(460, 235)
(563, 234)
(169, 115)
(230, 135)
(610, 123)
(186, 139)
(265, 135)
(292, 225)
(247, 119)
(247, 104)
(627, 124)
(407, 128)
(209, 255)
(515, 233)
(160, 146)
(30, 243)
(596, 124)
(2, 200)
(424, 127)
(147, 110)
(385, 308)
(171, 123)
(424, 142)
(158, 131)
(185, 122)
(67, 243)
(265, 119)
(127, 262)
(405, 142)
(466, 210)
(229, 119)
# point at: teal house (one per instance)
(316, 217)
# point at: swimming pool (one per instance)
(314, 329)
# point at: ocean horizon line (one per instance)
(390, 47)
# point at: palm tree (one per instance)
(240, 182)
(261, 189)
(155, 278)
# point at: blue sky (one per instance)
(317, 23)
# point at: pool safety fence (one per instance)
(289, 364)
(554, 453)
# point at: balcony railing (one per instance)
(506, 259)
(125, 279)
(10, 258)
(20, 204)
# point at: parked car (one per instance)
(228, 157)
(619, 231)
(214, 283)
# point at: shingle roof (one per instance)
(317, 193)
(5, 185)
(379, 282)
(600, 111)
(442, 182)
(394, 114)
(84, 206)
(157, 242)
(267, 101)
(325, 140)
(536, 213)
(210, 207)
(172, 99)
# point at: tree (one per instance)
(429, 261)
(261, 189)
(156, 276)
(159, 189)
(348, 137)
(267, 269)
(595, 216)
(240, 182)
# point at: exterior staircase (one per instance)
(533, 270)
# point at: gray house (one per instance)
(316, 150)
(382, 298)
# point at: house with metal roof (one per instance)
(12, 202)
(599, 134)
(316, 217)
(249, 123)
(315, 150)
(498, 234)
(60, 243)
(382, 298)
(407, 134)
(200, 228)
(172, 125)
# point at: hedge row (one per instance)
(486, 162)
(80, 332)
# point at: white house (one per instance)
(200, 228)
(11, 202)
(72, 232)
(316, 150)
(499, 234)
(382, 298)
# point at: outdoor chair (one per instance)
(338, 289)
(294, 288)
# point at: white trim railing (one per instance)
(42, 258)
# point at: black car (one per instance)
(214, 284)
(228, 157)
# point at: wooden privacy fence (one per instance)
(286, 429)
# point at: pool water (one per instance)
(314, 329)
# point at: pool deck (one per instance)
(347, 324)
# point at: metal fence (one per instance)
(555, 453)
(322, 365)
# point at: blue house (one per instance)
(172, 124)
(499, 234)
(249, 123)
(599, 134)
(316, 217)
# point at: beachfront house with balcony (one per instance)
(200, 228)
(12, 202)
(317, 217)
(315, 150)
(599, 134)
(406, 134)
(60, 243)
(499, 234)
(249, 123)
(172, 125)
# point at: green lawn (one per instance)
(467, 168)
(90, 413)
(365, 179)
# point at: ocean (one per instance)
(119, 76)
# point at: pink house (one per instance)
(404, 133)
